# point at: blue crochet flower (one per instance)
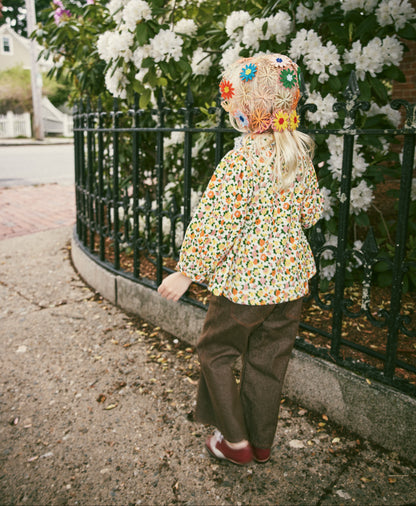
(241, 118)
(248, 72)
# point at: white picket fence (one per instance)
(15, 125)
(19, 125)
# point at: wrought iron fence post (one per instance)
(341, 257)
(160, 186)
(81, 167)
(351, 105)
(90, 124)
(115, 199)
(189, 120)
(100, 180)
(136, 168)
(77, 125)
(399, 265)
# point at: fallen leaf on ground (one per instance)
(111, 406)
(295, 443)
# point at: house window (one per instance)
(6, 45)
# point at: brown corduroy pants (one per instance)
(264, 337)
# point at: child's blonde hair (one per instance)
(261, 94)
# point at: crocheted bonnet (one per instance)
(261, 93)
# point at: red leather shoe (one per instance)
(261, 455)
(218, 447)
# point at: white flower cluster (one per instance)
(374, 55)
(328, 271)
(330, 240)
(336, 147)
(129, 12)
(235, 22)
(166, 45)
(397, 12)
(364, 5)
(174, 139)
(113, 45)
(167, 224)
(304, 14)
(115, 7)
(329, 203)
(134, 12)
(318, 58)
(116, 44)
(392, 115)
(230, 55)
(361, 198)
(413, 194)
(201, 62)
(325, 109)
(241, 28)
(116, 83)
(186, 27)
(121, 42)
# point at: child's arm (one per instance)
(312, 207)
(214, 226)
(174, 286)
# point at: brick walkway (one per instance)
(29, 209)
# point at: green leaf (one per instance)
(405, 283)
(141, 33)
(394, 73)
(138, 87)
(184, 66)
(336, 84)
(385, 278)
(365, 90)
(408, 32)
(145, 98)
(362, 220)
(412, 276)
(314, 82)
(382, 266)
(379, 89)
(366, 29)
(161, 82)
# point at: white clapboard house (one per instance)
(15, 51)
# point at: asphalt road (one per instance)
(33, 165)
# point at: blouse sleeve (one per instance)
(312, 205)
(218, 218)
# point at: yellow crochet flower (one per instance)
(294, 120)
(280, 121)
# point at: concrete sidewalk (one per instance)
(96, 408)
(24, 141)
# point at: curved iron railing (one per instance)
(120, 175)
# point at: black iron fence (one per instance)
(138, 171)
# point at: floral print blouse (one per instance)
(246, 237)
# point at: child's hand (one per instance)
(174, 286)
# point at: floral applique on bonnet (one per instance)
(261, 93)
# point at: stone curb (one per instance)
(373, 411)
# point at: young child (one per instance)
(246, 240)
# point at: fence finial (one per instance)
(352, 103)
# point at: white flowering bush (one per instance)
(127, 46)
